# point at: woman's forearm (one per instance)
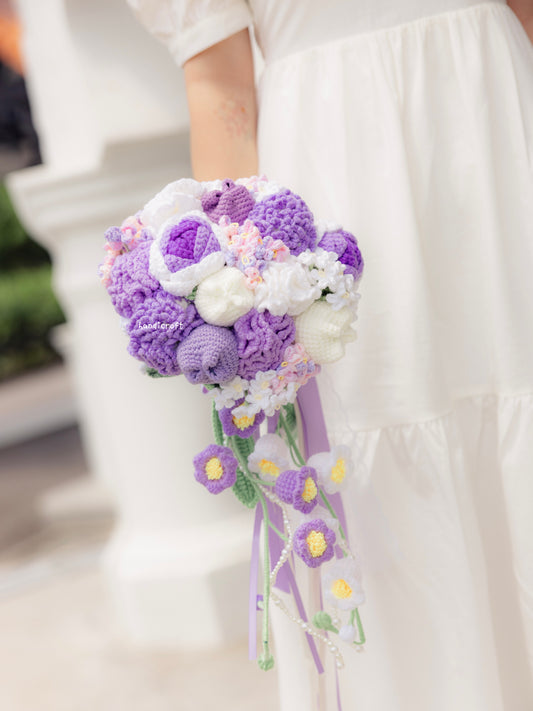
(223, 109)
(523, 9)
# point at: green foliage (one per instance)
(28, 310)
(17, 250)
(217, 426)
(244, 490)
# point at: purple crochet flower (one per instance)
(157, 326)
(314, 542)
(243, 426)
(235, 201)
(298, 488)
(215, 468)
(345, 246)
(187, 242)
(130, 281)
(209, 355)
(261, 341)
(285, 216)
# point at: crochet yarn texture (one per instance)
(232, 200)
(209, 355)
(157, 326)
(346, 248)
(285, 216)
(131, 282)
(261, 341)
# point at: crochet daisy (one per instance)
(341, 584)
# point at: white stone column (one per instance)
(110, 110)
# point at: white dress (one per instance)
(411, 123)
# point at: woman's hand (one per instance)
(223, 109)
(523, 9)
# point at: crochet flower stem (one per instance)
(266, 660)
(297, 456)
(298, 459)
(360, 630)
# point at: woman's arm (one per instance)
(523, 9)
(223, 109)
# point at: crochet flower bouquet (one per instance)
(236, 287)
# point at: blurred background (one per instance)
(122, 583)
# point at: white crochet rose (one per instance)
(286, 289)
(183, 281)
(174, 200)
(324, 332)
(223, 297)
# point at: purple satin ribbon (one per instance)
(252, 593)
(316, 438)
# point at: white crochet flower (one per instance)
(333, 468)
(228, 393)
(325, 269)
(223, 297)
(174, 200)
(345, 294)
(182, 282)
(341, 584)
(325, 332)
(347, 633)
(286, 289)
(270, 457)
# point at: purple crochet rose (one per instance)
(345, 247)
(243, 426)
(235, 201)
(261, 341)
(209, 355)
(157, 326)
(187, 242)
(314, 542)
(298, 488)
(285, 216)
(130, 281)
(215, 468)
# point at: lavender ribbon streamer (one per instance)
(316, 436)
(252, 593)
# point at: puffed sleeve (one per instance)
(188, 27)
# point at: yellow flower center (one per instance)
(338, 472)
(214, 469)
(341, 589)
(243, 422)
(310, 490)
(316, 543)
(268, 467)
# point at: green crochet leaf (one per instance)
(217, 426)
(290, 416)
(153, 373)
(192, 295)
(244, 446)
(244, 490)
(323, 621)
